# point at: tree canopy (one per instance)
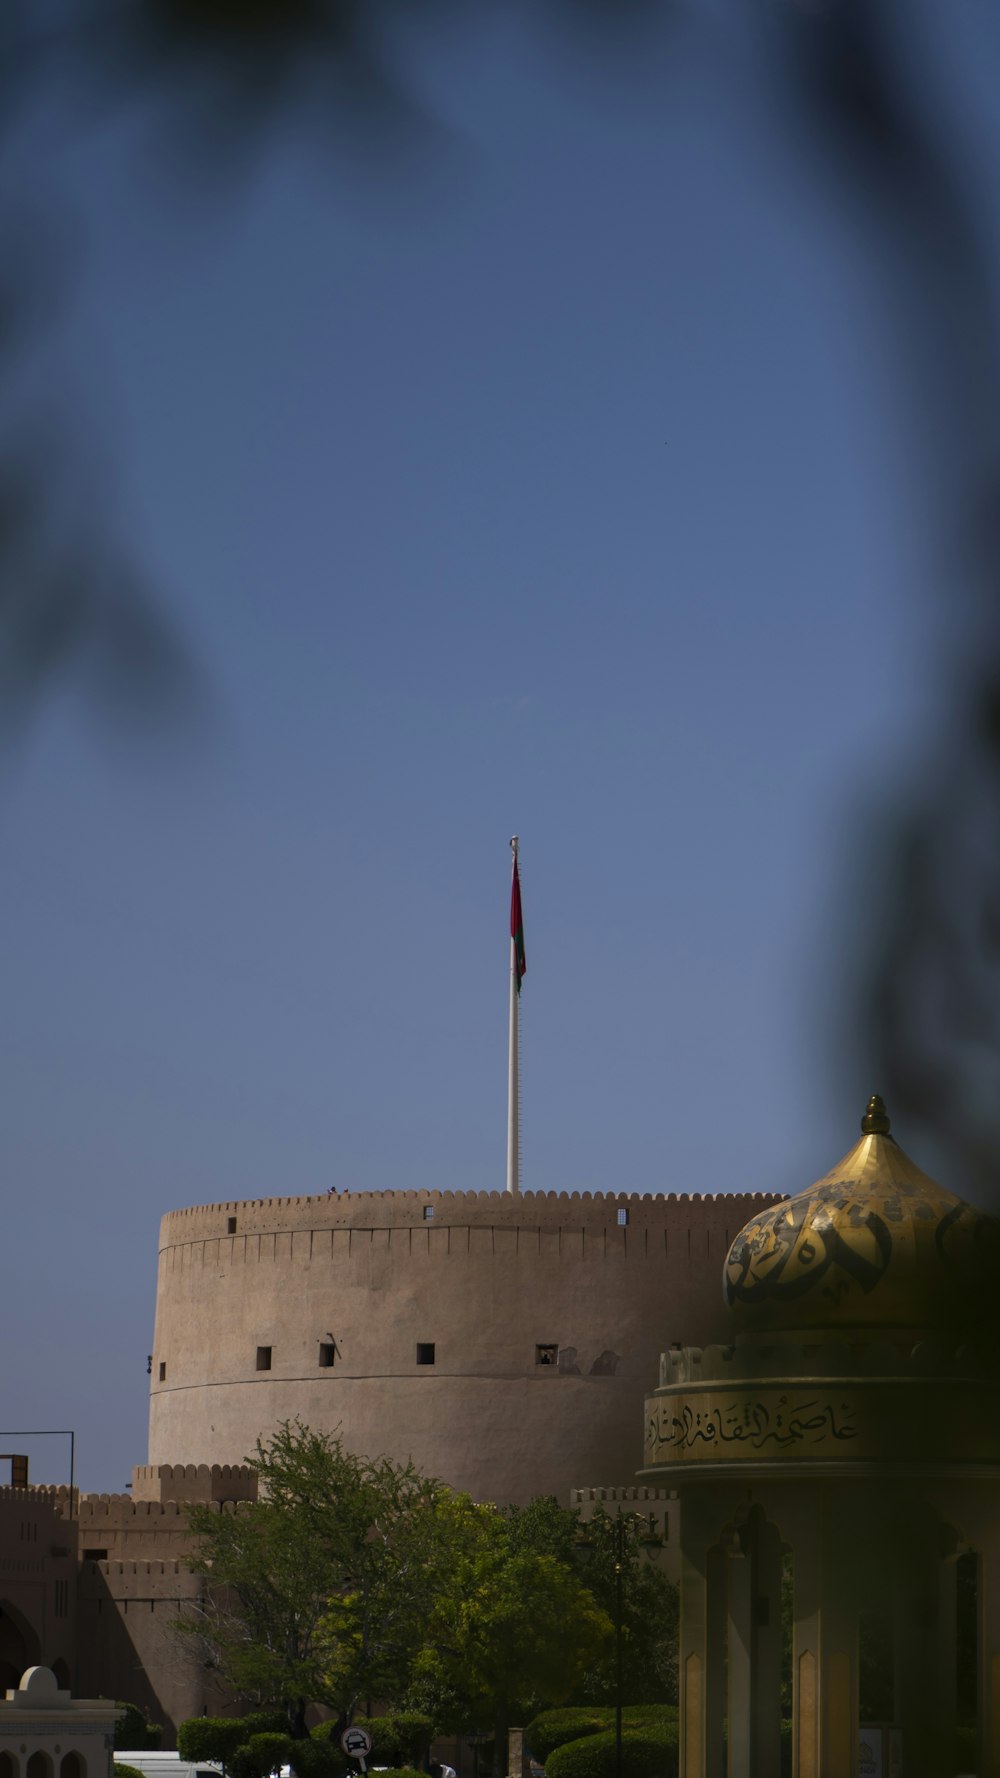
(352, 1580)
(318, 1589)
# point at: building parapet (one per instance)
(172, 1483)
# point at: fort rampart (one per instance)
(504, 1343)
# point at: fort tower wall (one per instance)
(504, 1343)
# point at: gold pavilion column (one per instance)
(824, 1635)
(838, 1625)
(755, 1652)
(800, 1522)
(702, 1655)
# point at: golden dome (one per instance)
(874, 1244)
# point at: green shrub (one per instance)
(218, 1737)
(553, 1728)
(261, 1755)
(403, 1772)
(319, 1756)
(133, 1730)
(648, 1751)
(400, 1739)
(122, 1771)
(210, 1738)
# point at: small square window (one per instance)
(231, 1226)
(425, 1351)
(95, 1555)
(327, 1353)
(163, 1370)
(428, 1213)
(263, 1358)
(622, 1216)
(546, 1354)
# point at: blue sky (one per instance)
(550, 479)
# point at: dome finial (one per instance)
(876, 1119)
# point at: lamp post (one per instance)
(619, 1549)
(643, 1530)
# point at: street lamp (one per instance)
(644, 1530)
(619, 1550)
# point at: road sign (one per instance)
(357, 1744)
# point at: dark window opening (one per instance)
(428, 1213)
(231, 1226)
(95, 1555)
(425, 1351)
(263, 1358)
(546, 1354)
(327, 1353)
(163, 1370)
(622, 1217)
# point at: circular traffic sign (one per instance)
(357, 1743)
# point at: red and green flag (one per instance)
(517, 929)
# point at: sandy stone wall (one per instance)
(339, 1294)
(129, 1646)
(38, 1578)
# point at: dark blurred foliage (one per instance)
(926, 993)
(856, 97)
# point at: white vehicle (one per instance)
(167, 1765)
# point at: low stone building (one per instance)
(47, 1733)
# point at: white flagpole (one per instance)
(513, 1160)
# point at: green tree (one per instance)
(409, 1540)
(649, 1601)
(516, 1631)
(319, 1589)
(649, 1611)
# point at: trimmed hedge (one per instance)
(261, 1755)
(217, 1738)
(648, 1751)
(319, 1756)
(134, 1730)
(123, 1771)
(400, 1739)
(554, 1728)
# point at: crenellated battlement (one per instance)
(445, 1195)
(170, 1483)
(425, 1211)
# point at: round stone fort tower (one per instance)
(503, 1342)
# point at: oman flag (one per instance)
(517, 929)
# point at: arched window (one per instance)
(10, 1765)
(19, 1645)
(73, 1765)
(39, 1765)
